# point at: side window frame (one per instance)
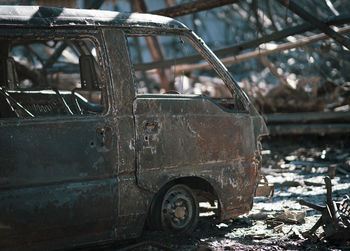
(202, 50)
(120, 69)
(93, 35)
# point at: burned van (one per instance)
(106, 126)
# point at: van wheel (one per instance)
(178, 210)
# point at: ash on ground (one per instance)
(296, 167)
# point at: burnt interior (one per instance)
(29, 89)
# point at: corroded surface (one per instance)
(191, 136)
(72, 180)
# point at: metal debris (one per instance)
(291, 217)
(335, 218)
(264, 189)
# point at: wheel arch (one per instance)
(202, 188)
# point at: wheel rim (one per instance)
(177, 208)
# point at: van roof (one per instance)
(37, 16)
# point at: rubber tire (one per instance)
(160, 220)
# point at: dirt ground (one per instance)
(297, 167)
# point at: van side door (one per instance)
(58, 148)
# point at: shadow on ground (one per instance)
(297, 167)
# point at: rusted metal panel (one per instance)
(55, 176)
(81, 179)
(184, 136)
(120, 69)
(131, 204)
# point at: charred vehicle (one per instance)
(88, 154)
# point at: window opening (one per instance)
(41, 78)
(177, 52)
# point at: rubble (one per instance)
(278, 224)
(307, 96)
(335, 218)
(264, 189)
(291, 217)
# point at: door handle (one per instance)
(151, 127)
(105, 137)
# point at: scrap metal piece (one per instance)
(264, 189)
(335, 218)
(344, 210)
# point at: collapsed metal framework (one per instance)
(335, 218)
(311, 23)
(233, 53)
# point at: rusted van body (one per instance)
(76, 171)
